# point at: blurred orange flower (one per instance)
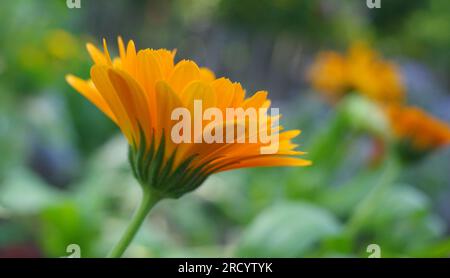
(361, 70)
(415, 126)
(328, 74)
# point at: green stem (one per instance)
(149, 199)
(326, 140)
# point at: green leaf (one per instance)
(287, 230)
(400, 203)
(403, 222)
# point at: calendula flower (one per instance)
(373, 77)
(140, 90)
(417, 129)
(328, 74)
(361, 70)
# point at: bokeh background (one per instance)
(64, 176)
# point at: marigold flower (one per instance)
(373, 77)
(417, 128)
(139, 91)
(361, 70)
(328, 74)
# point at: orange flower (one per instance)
(361, 70)
(140, 90)
(413, 125)
(372, 77)
(329, 74)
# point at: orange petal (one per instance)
(88, 90)
(97, 56)
(184, 73)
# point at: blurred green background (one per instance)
(64, 176)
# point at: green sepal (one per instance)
(155, 173)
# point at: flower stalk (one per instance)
(149, 200)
